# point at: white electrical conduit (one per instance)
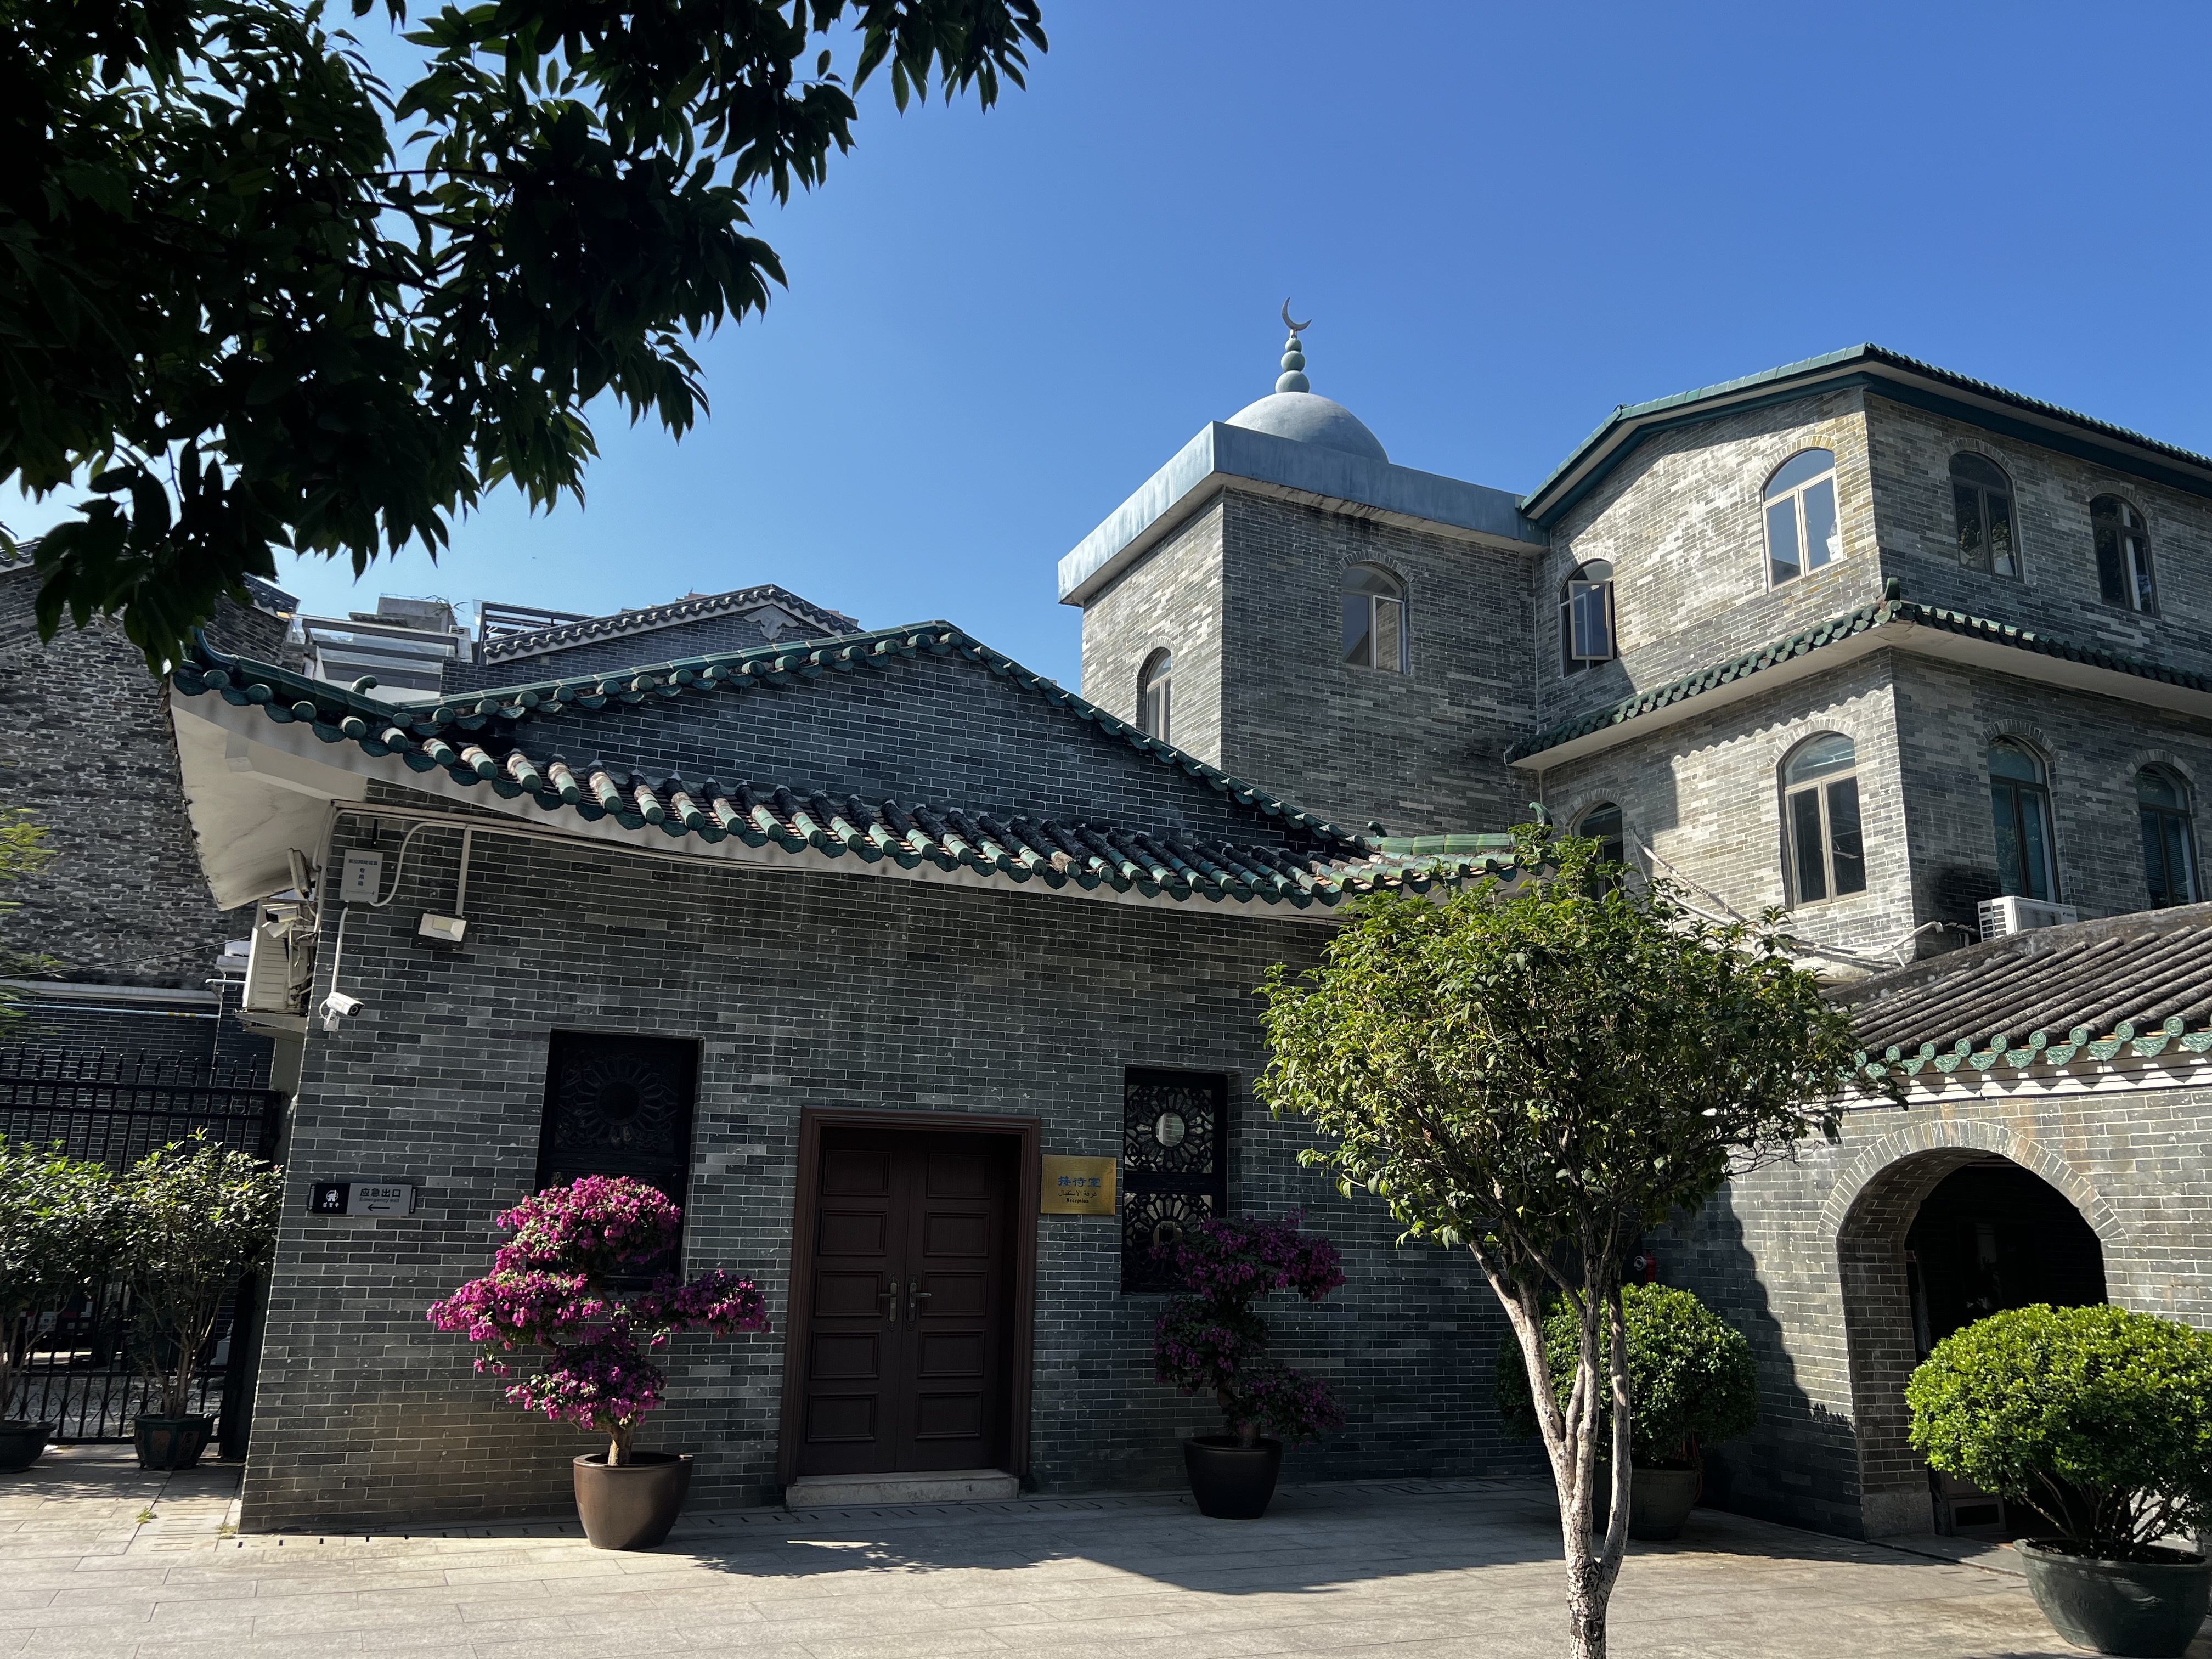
(333, 1011)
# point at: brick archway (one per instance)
(1873, 1204)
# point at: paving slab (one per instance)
(100, 1560)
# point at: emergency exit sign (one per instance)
(361, 1197)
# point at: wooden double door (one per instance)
(908, 1352)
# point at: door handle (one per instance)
(890, 1313)
(914, 1295)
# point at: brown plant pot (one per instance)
(21, 1444)
(2152, 1609)
(631, 1507)
(1659, 1500)
(171, 1443)
(1231, 1482)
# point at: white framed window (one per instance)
(1826, 846)
(1801, 531)
(1586, 636)
(2169, 837)
(1155, 696)
(2124, 572)
(1375, 619)
(1981, 505)
(2020, 807)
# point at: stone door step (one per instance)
(821, 1491)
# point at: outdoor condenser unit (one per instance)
(2015, 915)
(270, 968)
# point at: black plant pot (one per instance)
(21, 1444)
(1231, 1482)
(171, 1443)
(631, 1507)
(1659, 1500)
(2149, 1610)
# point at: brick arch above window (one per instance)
(1880, 1168)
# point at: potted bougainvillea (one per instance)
(1691, 1381)
(1210, 1340)
(2100, 1420)
(557, 1285)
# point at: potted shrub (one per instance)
(2099, 1420)
(56, 1225)
(557, 1285)
(195, 1218)
(1691, 1380)
(1210, 1340)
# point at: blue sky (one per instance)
(1504, 220)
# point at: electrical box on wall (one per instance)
(360, 878)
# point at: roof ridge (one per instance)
(617, 624)
(420, 723)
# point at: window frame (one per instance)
(2181, 822)
(1796, 496)
(1570, 663)
(1618, 842)
(1346, 592)
(2133, 598)
(1982, 493)
(1819, 789)
(2040, 790)
(1157, 676)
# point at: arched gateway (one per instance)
(1936, 1227)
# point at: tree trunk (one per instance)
(1586, 1603)
(618, 1444)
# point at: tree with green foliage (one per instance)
(1538, 1071)
(23, 852)
(1691, 1379)
(253, 299)
(197, 1216)
(2100, 1418)
(57, 1227)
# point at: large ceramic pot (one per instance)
(1231, 1482)
(631, 1507)
(22, 1443)
(171, 1443)
(2146, 1608)
(1659, 1501)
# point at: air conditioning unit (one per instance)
(276, 956)
(2015, 915)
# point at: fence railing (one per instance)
(80, 1369)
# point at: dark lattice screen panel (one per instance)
(1175, 1165)
(618, 1106)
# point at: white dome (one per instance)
(1308, 418)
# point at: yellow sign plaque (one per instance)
(1077, 1186)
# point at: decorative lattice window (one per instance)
(1175, 1165)
(618, 1106)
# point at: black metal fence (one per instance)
(80, 1372)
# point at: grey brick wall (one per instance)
(803, 989)
(1170, 600)
(82, 724)
(1807, 1257)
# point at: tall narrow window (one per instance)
(1802, 533)
(2168, 837)
(1602, 824)
(2123, 573)
(1586, 618)
(2019, 804)
(1174, 1166)
(1155, 696)
(1820, 816)
(1981, 498)
(619, 1105)
(1374, 619)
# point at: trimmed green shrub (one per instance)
(1691, 1374)
(2100, 1418)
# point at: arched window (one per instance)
(2169, 838)
(1586, 618)
(1602, 824)
(1820, 816)
(1801, 516)
(1154, 700)
(1374, 619)
(1981, 498)
(2122, 555)
(2019, 803)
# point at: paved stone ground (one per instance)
(99, 1559)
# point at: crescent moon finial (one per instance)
(1295, 328)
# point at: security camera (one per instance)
(337, 1007)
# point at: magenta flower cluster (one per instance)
(549, 1289)
(1211, 1340)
